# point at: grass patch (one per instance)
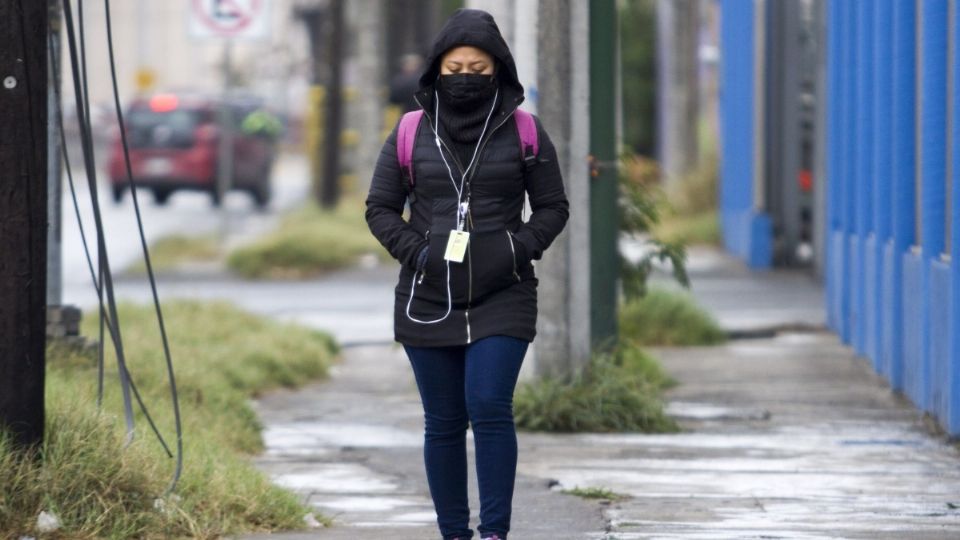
(668, 318)
(170, 252)
(616, 392)
(309, 242)
(99, 489)
(697, 229)
(696, 192)
(687, 209)
(596, 493)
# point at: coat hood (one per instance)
(476, 28)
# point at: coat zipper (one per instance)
(513, 252)
(483, 146)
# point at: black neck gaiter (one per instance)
(465, 102)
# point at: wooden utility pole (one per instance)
(23, 217)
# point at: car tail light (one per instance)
(164, 103)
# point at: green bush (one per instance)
(616, 392)
(663, 317)
(101, 488)
(641, 205)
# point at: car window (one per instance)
(163, 129)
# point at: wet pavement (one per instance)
(352, 447)
(789, 436)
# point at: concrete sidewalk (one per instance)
(789, 436)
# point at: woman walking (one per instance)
(466, 301)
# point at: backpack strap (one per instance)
(406, 139)
(529, 138)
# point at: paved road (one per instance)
(186, 213)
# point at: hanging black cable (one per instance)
(146, 251)
(126, 382)
(104, 320)
(55, 70)
(100, 249)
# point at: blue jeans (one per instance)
(472, 383)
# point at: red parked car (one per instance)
(174, 142)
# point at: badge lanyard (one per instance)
(459, 239)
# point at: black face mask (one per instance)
(464, 91)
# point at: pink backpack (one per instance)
(407, 135)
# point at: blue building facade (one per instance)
(889, 181)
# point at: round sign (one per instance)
(227, 17)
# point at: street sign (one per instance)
(232, 19)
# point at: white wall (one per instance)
(153, 34)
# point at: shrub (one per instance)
(664, 317)
(617, 391)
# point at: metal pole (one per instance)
(23, 218)
(54, 173)
(225, 149)
(604, 221)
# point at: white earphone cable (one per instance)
(459, 189)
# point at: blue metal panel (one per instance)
(834, 157)
(933, 125)
(737, 75)
(939, 336)
(855, 277)
(933, 132)
(747, 233)
(952, 422)
(883, 121)
(878, 344)
(888, 290)
(904, 171)
(864, 169)
(761, 241)
(871, 301)
(838, 240)
(848, 149)
(912, 325)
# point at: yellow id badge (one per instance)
(457, 246)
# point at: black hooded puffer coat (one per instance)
(494, 290)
